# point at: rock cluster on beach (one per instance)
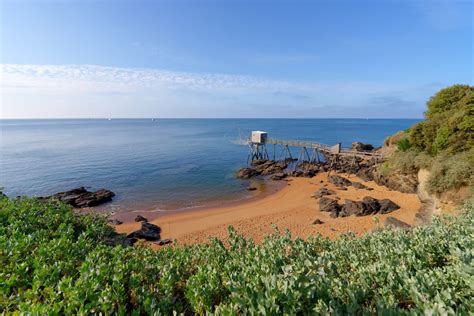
(262, 168)
(364, 168)
(368, 206)
(148, 232)
(80, 197)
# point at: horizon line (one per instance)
(208, 118)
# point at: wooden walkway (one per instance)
(324, 148)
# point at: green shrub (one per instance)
(450, 173)
(404, 144)
(449, 124)
(54, 262)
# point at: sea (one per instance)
(156, 164)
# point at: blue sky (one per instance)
(231, 58)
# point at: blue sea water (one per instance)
(161, 164)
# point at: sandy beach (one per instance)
(292, 208)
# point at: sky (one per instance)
(213, 59)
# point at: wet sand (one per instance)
(292, 208)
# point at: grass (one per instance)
(53, 261)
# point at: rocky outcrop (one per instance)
(351, 207)
(360, 186)
(405, 183)
(339, 181)
(359, 146)
(368, 206)
(246, 173)
(387, 206)
(262, 168)
(148, 231)
(80, 197)
(278, 176)
(329, 205)
(323, 192)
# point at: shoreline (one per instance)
(265, 188)
(291, 207)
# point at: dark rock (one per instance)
(329, 205)
(342, 189)
(351, 207)
(323, 192)
(268, 167)
(318, 222)
(278, 176)
(2, 195)
(309, 167)
(361, 146)
(148, 232)
(164, 242)
(140, 218)
(115, 222)
(387, 206)
(246, 173)
(393, 222)
(119, 240)
(282, 164)
(366, 174)
(339, 181)
(334, 214)
(296, 173)
(80, 197)
(359, 185)
(371, 206)
(251, 188)
(405, 183)
(259, 162)
(308, 174)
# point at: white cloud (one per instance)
(98, 91)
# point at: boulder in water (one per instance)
(80, 197)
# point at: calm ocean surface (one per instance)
(162, 164)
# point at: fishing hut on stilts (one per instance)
(311, 152)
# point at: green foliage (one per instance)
(440, 143)
(53, 262)
(451, 172)
(449, 124)
(404, 144)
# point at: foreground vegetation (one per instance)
(442, 143)
(55, 262)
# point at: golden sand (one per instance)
(292, 207)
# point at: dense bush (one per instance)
(442, 143)
(449, 124)
(54, 262)
(450, 172)
(404, 144)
